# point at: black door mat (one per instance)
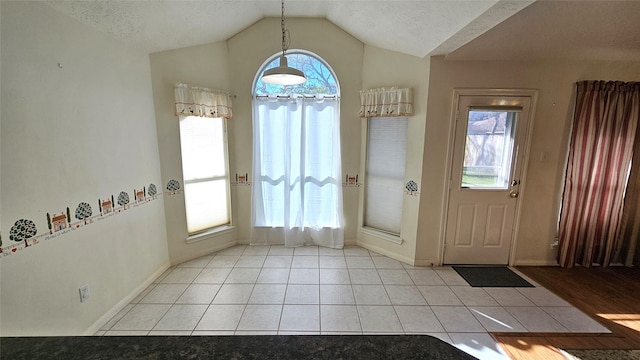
(491, 276)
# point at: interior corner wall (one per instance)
(77, 126)
(549, 142)
(385, 68)
(247, 52)
(202, 66)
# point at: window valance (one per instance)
(204, 102)
(386, 102)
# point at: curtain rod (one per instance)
(297, 96)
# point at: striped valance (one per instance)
(195, 101)
(386, 102)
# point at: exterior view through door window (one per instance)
(488, 149)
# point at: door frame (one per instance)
(457, 93)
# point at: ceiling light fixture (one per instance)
(283, 74)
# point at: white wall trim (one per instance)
(396, 239)
(426, 263)
(125, 301)
(393, 255)
(210, 234)
(207, 251)
(347, 242)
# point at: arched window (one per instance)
(297, 190)
(320, 77)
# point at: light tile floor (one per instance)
(309, 290)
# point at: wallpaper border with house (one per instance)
(24, 232)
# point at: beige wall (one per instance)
(87, 130)
(549, 142)
(384, 68)
(69, 135)
(204, 66)
(247, 52)
(232, 65)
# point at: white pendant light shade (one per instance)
(283, 74)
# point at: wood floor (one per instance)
(610, 296)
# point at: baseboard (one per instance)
(386, 253)
(536, 263)
(347, 242)
(207, 251)
(426, 263)
(125, 301)
(350, 242)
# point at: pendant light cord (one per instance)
(285, 33)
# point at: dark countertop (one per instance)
(230, 347)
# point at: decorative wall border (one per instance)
(411, 188)
(241, 180)
(351, 181)
(24, 232)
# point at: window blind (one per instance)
(385, 170)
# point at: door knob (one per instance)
(513, 194)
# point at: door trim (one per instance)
(457, 93)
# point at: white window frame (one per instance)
(200, 234)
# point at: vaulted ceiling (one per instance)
(473, 29)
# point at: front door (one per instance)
(488, 157)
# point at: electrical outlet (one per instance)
(84, 293)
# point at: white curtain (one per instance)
(297, 192)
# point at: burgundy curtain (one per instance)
(602, 141)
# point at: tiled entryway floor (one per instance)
(310, 290)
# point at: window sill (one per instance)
(382, 235)
(208, 234)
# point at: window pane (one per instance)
(489, 149)
(202, 145)
(384, 184)
(202, 141)
(320, 79)
(206, 204)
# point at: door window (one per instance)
(488, 149)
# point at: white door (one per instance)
(488, 156)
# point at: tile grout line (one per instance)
(319, 268)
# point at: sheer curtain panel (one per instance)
(600, 154)
(297, 192)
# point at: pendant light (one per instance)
(283, 74)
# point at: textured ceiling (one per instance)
(553, 30)
(459, 29)
(412, 27)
